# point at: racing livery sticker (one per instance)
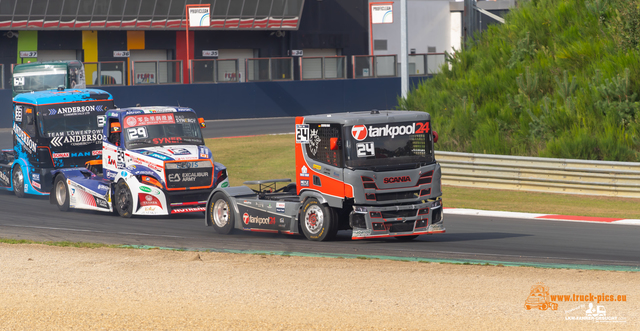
(304, 183)
(4, 178)
(24, 139)
(302, 133)
(280, 207)
(262, 219)
(147, 200)
(138, 120)
(18, 115)
(179, 151)
(365, 149)
(314, 141)
(304, 172)
(76, 110)
(361, 132)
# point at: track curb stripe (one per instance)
(547, 217)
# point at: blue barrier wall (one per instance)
(260, 99)
(6, 116)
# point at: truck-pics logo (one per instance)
(399, 179)
(246, 218)
(539, 298)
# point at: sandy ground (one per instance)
(53, 288)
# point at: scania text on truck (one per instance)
(51, 130)
(372, 172)
(154, 162)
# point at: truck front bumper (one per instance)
(394, 221)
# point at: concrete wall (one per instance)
(252, 100)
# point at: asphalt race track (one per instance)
(467, 237)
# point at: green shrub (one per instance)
(559, 79)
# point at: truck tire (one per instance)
(18, 181)
(123, 200)
(406, 238)
(221, 214)
(318, 222)
(61, 193)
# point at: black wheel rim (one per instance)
(18, 182)
(124, 199)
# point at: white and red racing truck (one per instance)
(154, 162)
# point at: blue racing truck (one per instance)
(51, 130)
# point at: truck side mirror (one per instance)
(202, 123)
(29, 114)
(333, 143)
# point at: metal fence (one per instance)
(602, 178)
(214, 71)
(156, 72)
(425, 64)
(269, 69)
(115, 73)
(107, 73)
(323, 67)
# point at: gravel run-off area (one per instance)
(56, 288)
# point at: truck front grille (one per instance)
(189, 174)
(397, 195)
(401, 227)
(399, 213)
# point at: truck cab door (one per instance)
(321, 167)
(112, 151)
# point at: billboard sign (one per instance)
(382, 13)
(199, 16)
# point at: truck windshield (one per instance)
(80, 123)
(159, 129)
(398, 145)
(39, 78)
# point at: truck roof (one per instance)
(369, 117)
(54, 96)
(38, 63)
(147, 110)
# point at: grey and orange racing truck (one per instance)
(372, 172)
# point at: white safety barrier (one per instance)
(603, 178)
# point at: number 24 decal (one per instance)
(422, 127)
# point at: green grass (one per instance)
(270, 157)
(255, 158)
(559, 79)
(58, 243)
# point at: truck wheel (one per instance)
(123, 200)
(317, 221)
(61, 193)
(220, 214)
(18, 181)
(406, 238)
